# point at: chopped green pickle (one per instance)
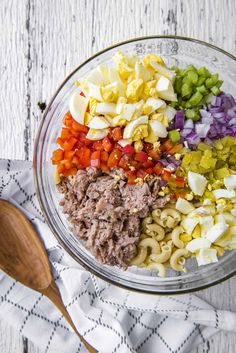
(174, 135)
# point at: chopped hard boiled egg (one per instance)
(206, 256)
(223, 193)
(184, 206)
(189, 223)
(162, 70)
(155, 104)
(169, 112)
(197, 183)
(95, 76)
(142, 72)
(158, 128)
(230, 182)
(165, 89)
(99, 123)
(216, 232)
(197, 244)
(78, 106)
(130, 128)
(206, 223)
(128, 111)
(95, 91)
(106, 108)
(124, 142)
(94, 134)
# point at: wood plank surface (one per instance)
(42, 41)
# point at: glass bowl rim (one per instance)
(36, 178)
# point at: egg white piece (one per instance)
(163, 70)
(130, 128)
(197, 244)
(184, 206)
(197, 183)
(189, 223)
(206, 223)
(230, 182)
(216, 232)
(169, 112)
(98, 123)
(95, 91)
(206, 256)
(78, 105)
(106, 108)
(124, 142)
(128, 111)
(95, 135)
(95, 77)
(155, 104)
(223, 193)
(158, 128)
(165, 89)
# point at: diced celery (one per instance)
(186, 89)
(192, 76)
(196, 98)
(201, 80)
(192, 114)
(174, 135)
(219, 83)
(211, 81)
(178, 85)
(202, 89)
(208, 98)
(203, 72)
(215, 90)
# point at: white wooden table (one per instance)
(42, 41)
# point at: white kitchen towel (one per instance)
(111, 319)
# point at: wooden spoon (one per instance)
(24, 258)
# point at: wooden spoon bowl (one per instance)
(24, 258)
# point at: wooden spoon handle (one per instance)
(54, 295)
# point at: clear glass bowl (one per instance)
(176, 51)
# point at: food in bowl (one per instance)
(146, 164)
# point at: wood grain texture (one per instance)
(43, 41)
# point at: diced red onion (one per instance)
(193, 138)
(179, 119)
(164, 162)
(202, 130)
(189, 124)
(185, 132)
(232, 121)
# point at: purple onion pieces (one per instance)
(179, 119)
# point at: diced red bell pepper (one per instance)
(149, 171)
(75, 161)
(154, 154)
(79, 127)
(135, 164)
(82, 94)
(124, 163)
(141, 156)
(147, 146)
(166, 175)
(84, 140)
(98, 146)
(71, 171)
(117, 134)
(57, 156)
(114, 158)
(104, 167)
(176, 149)
(167, 145)
(84, 156)
(69, 155)
(68, 120)
(180, 193)
(60, 142)
(65, 133)
(95, 159)
(67, 164)
(180, 181)
(60, 168)
(107, 144)
(69, 144)
(129, 150)
(158, 168)
(104, 156)
(148, 164)
(132, 176)
(141, 173)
